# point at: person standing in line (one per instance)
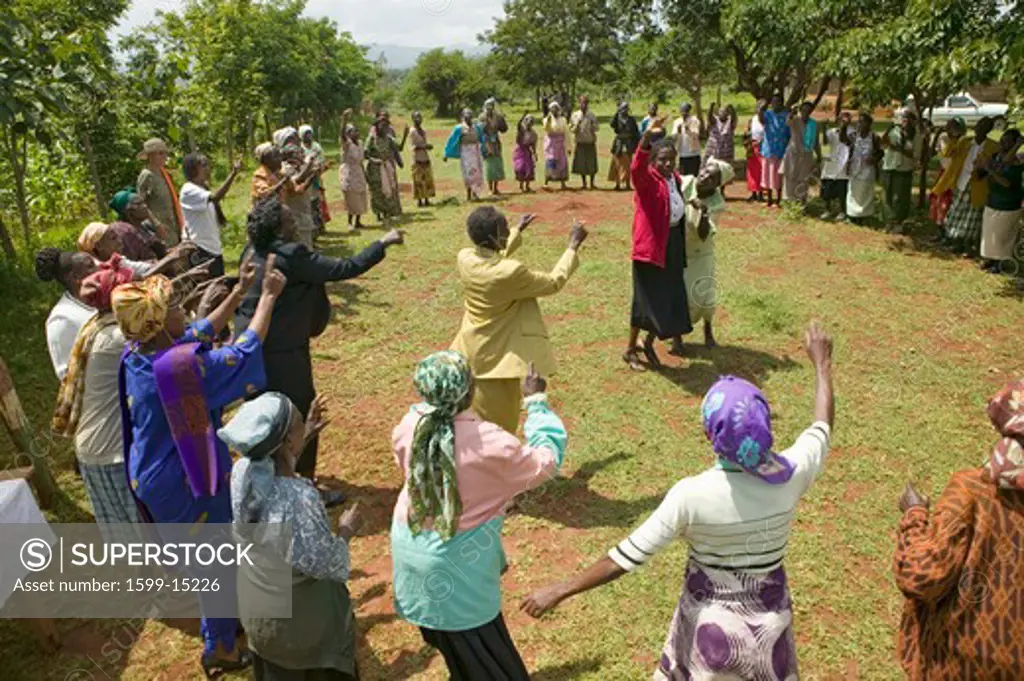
(775, 120)
(627, 137)
(584, 128)
(201, 208)
(466, 143)
(753, 138)
(556, 161)
(1001, 221)
(862, 168)
(970, 192)
(834, 177)
(383, 158)
(302, 173)
(142, 236)
(422, 170)
(938, 204)
(157, 190)
(902, 145)
(721, 134)
(524, 161)
(318, 194)
(69, 314)
(802, 153)
(352, 176)
(494, 126)
(502, 329)
(687, 131)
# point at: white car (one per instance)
(962, 105)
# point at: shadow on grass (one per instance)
(567, 670)
(1013, 287)
(571, 502)
(698, 375)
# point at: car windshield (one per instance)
(959, 101)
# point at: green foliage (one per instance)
(445, 82)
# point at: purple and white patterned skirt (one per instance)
(731, 624)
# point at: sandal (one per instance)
(630, 357)
(651, 355)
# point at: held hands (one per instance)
(541, 600)
(911, 498)
(818, 345)
(273, 278)
(577, 235)
(395, 236)
(351, 522)
(534, 383)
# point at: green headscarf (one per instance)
(120, 201)
(443, 380)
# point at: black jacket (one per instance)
(303, 309)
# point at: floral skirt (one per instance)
(523, 164)
(471, 162)
(422, 181)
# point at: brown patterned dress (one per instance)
(962, 571)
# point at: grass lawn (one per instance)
(922, 339)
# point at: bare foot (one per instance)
(677, 349)
(631, 358)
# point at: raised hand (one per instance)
(534, 383)
(273, 279)
(818, 345)
(395, 236)
(526, 221)
(318, 418)
(577, 235)
(911, 497)
(247, 273)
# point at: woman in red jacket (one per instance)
(659, 250)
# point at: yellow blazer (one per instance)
(958, 152)
(502, 330)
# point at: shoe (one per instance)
(841, 217)
(826, 216)
(332, 497)
(215, 667)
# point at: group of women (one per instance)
(149, 363)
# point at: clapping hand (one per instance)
(534, 383)
(577, 235)
(318, 418)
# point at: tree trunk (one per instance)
(94, 174)
(822, 89)
(927, 151)
(839, 99)
(18, 168)
(6, 242)
(17, 426)
(231, 143)
(250, 132)
(698, 106)
(266, 126)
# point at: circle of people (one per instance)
(151, 335)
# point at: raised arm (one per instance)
(529, 284)
(818, 345)
(312, 267)
(222, 191)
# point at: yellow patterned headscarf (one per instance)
(141, 307)
(91, 235)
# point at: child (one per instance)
(834, 178)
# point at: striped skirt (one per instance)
(113, 505)
(963, 221)
(731, 625)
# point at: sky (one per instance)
(410, 23)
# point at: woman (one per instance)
(502, 330)
(157, 190)
(69, 314)
(627, 137)
(303, 308)
(803, 152)
(556, 163)
(938, 204)
(494, 126)
(296, 196)
(466, 143)
(583, 124)
(352, 176)
(970, 191)
(734, 619)
(173, 389)
(318, 641)
(140, 234)
(312, 149)
(862, 168)
(104, 243)
(460, 471)
(959, 566)
(1002, 217)
(87, 409)
(834, 179)
(721, 133)
(902, 146)
(267, 179)
(753, 139)
(382, 162)
(422, 171)
(699, 274)
(201, 208)
(525, 159)
(773, 148)
(659, 249)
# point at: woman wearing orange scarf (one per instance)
(157, 189)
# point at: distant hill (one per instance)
(404, 57)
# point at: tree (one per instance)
(448, 81)
(555, 45)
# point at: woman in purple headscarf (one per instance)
(734, 619)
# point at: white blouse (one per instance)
(677, 205)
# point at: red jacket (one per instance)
(651, 216)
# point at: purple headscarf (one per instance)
(738, 421)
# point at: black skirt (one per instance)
(486, 653)
(264, 670)
(659, 293)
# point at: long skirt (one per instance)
(771, 178)
(422, 181)
(797, 169)
(523, 164)
(689, 165)
(494, 166)
(584, 159)
(659, 293)
(701, 286)
(618, 171)
(999, 230)
(472, 163)
(963, 221)
(486, 653)
(938, 206)
(731, 625)
(556, 163)
(113, 505)
(385, 198)
(860, 197)
(264, 670)
(754, 169)
(897, 186)
(355, 201)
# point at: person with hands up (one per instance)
(303, 309)
(201, 209)
(460, 471)
(736, 518)
(319, 640)
(957, 564)
(502, 328)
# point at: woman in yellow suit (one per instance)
(502, 330)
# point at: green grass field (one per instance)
(921, 340)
